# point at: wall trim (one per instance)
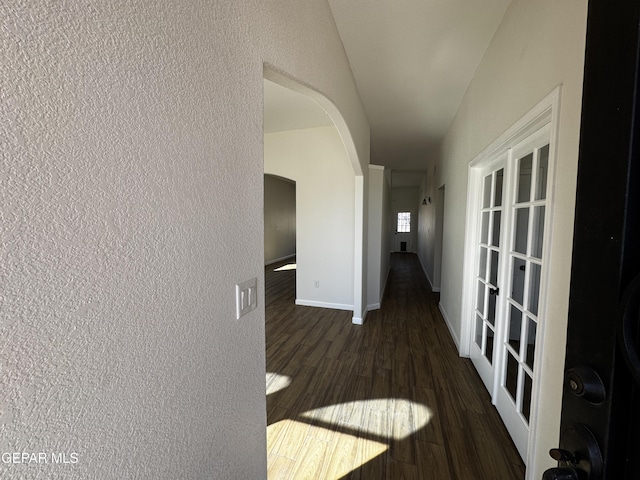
(426, 274)
(315, 303)
(452, 331)
(358, 320)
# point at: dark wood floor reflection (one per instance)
(389, 399)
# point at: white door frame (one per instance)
(545, 113)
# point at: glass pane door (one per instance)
(487, 273)
(517, 348)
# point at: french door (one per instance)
(510, 268)
(488, 255)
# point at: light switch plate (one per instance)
(246, 297)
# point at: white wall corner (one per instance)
(384, 285)
(360, 249)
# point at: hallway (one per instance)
(387, 400)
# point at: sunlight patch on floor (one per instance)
(276, 382)
(313, 449)
(288, 266)
(387, 418)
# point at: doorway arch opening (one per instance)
(306, 140)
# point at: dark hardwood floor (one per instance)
(390, 399)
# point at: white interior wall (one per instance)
(279, 219)
(538, 46)
(427, 226)
(378, 259)
(440, 201)
(316, 159)
(387, 235)
(132, 191)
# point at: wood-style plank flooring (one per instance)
(390, 399)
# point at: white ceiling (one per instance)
(412, 60)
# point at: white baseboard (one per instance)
(377, 305)
(270, 262)
(358, 320)
(314, 303)
(456, 340)
(426, 274)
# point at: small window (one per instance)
(404, 222)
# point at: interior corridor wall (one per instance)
(279, 219)
(131, 181)
(538, 46)
(378, 245)
(427, 226)
(316, 159)
(385, 264)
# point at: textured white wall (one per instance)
(279, 218)
(316, 159)
(131, 185)
(538, 46)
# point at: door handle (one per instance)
(584, 382)
(563, 473)
(579, 456)
(630, 315)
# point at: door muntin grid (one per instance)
(488, 263)
(525, 271)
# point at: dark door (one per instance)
(600, 428)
